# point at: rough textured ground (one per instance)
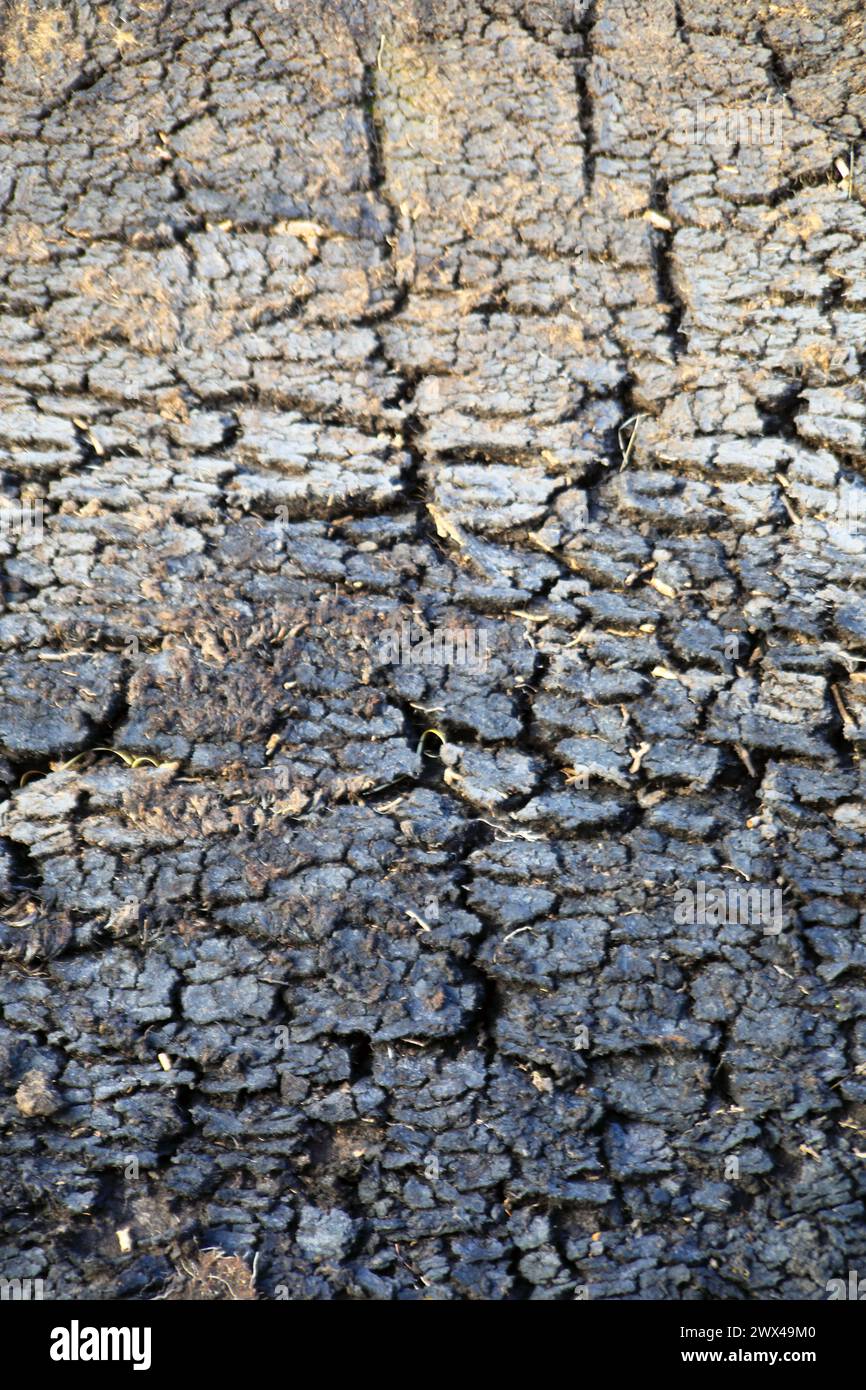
(322, 318)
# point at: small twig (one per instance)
(846, 718)
(515, 933)
(743, 754)
(635, 420)
(425, 926)
(637, 756)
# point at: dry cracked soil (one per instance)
(340, 970)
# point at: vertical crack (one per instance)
(584, 95)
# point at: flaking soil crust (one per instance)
(337, 972)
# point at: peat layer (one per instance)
(533, 326)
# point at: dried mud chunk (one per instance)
(318, 325)
(304, 467)
(486, 778)
(36, 1096)
(53, 707)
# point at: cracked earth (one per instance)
(321, 319)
